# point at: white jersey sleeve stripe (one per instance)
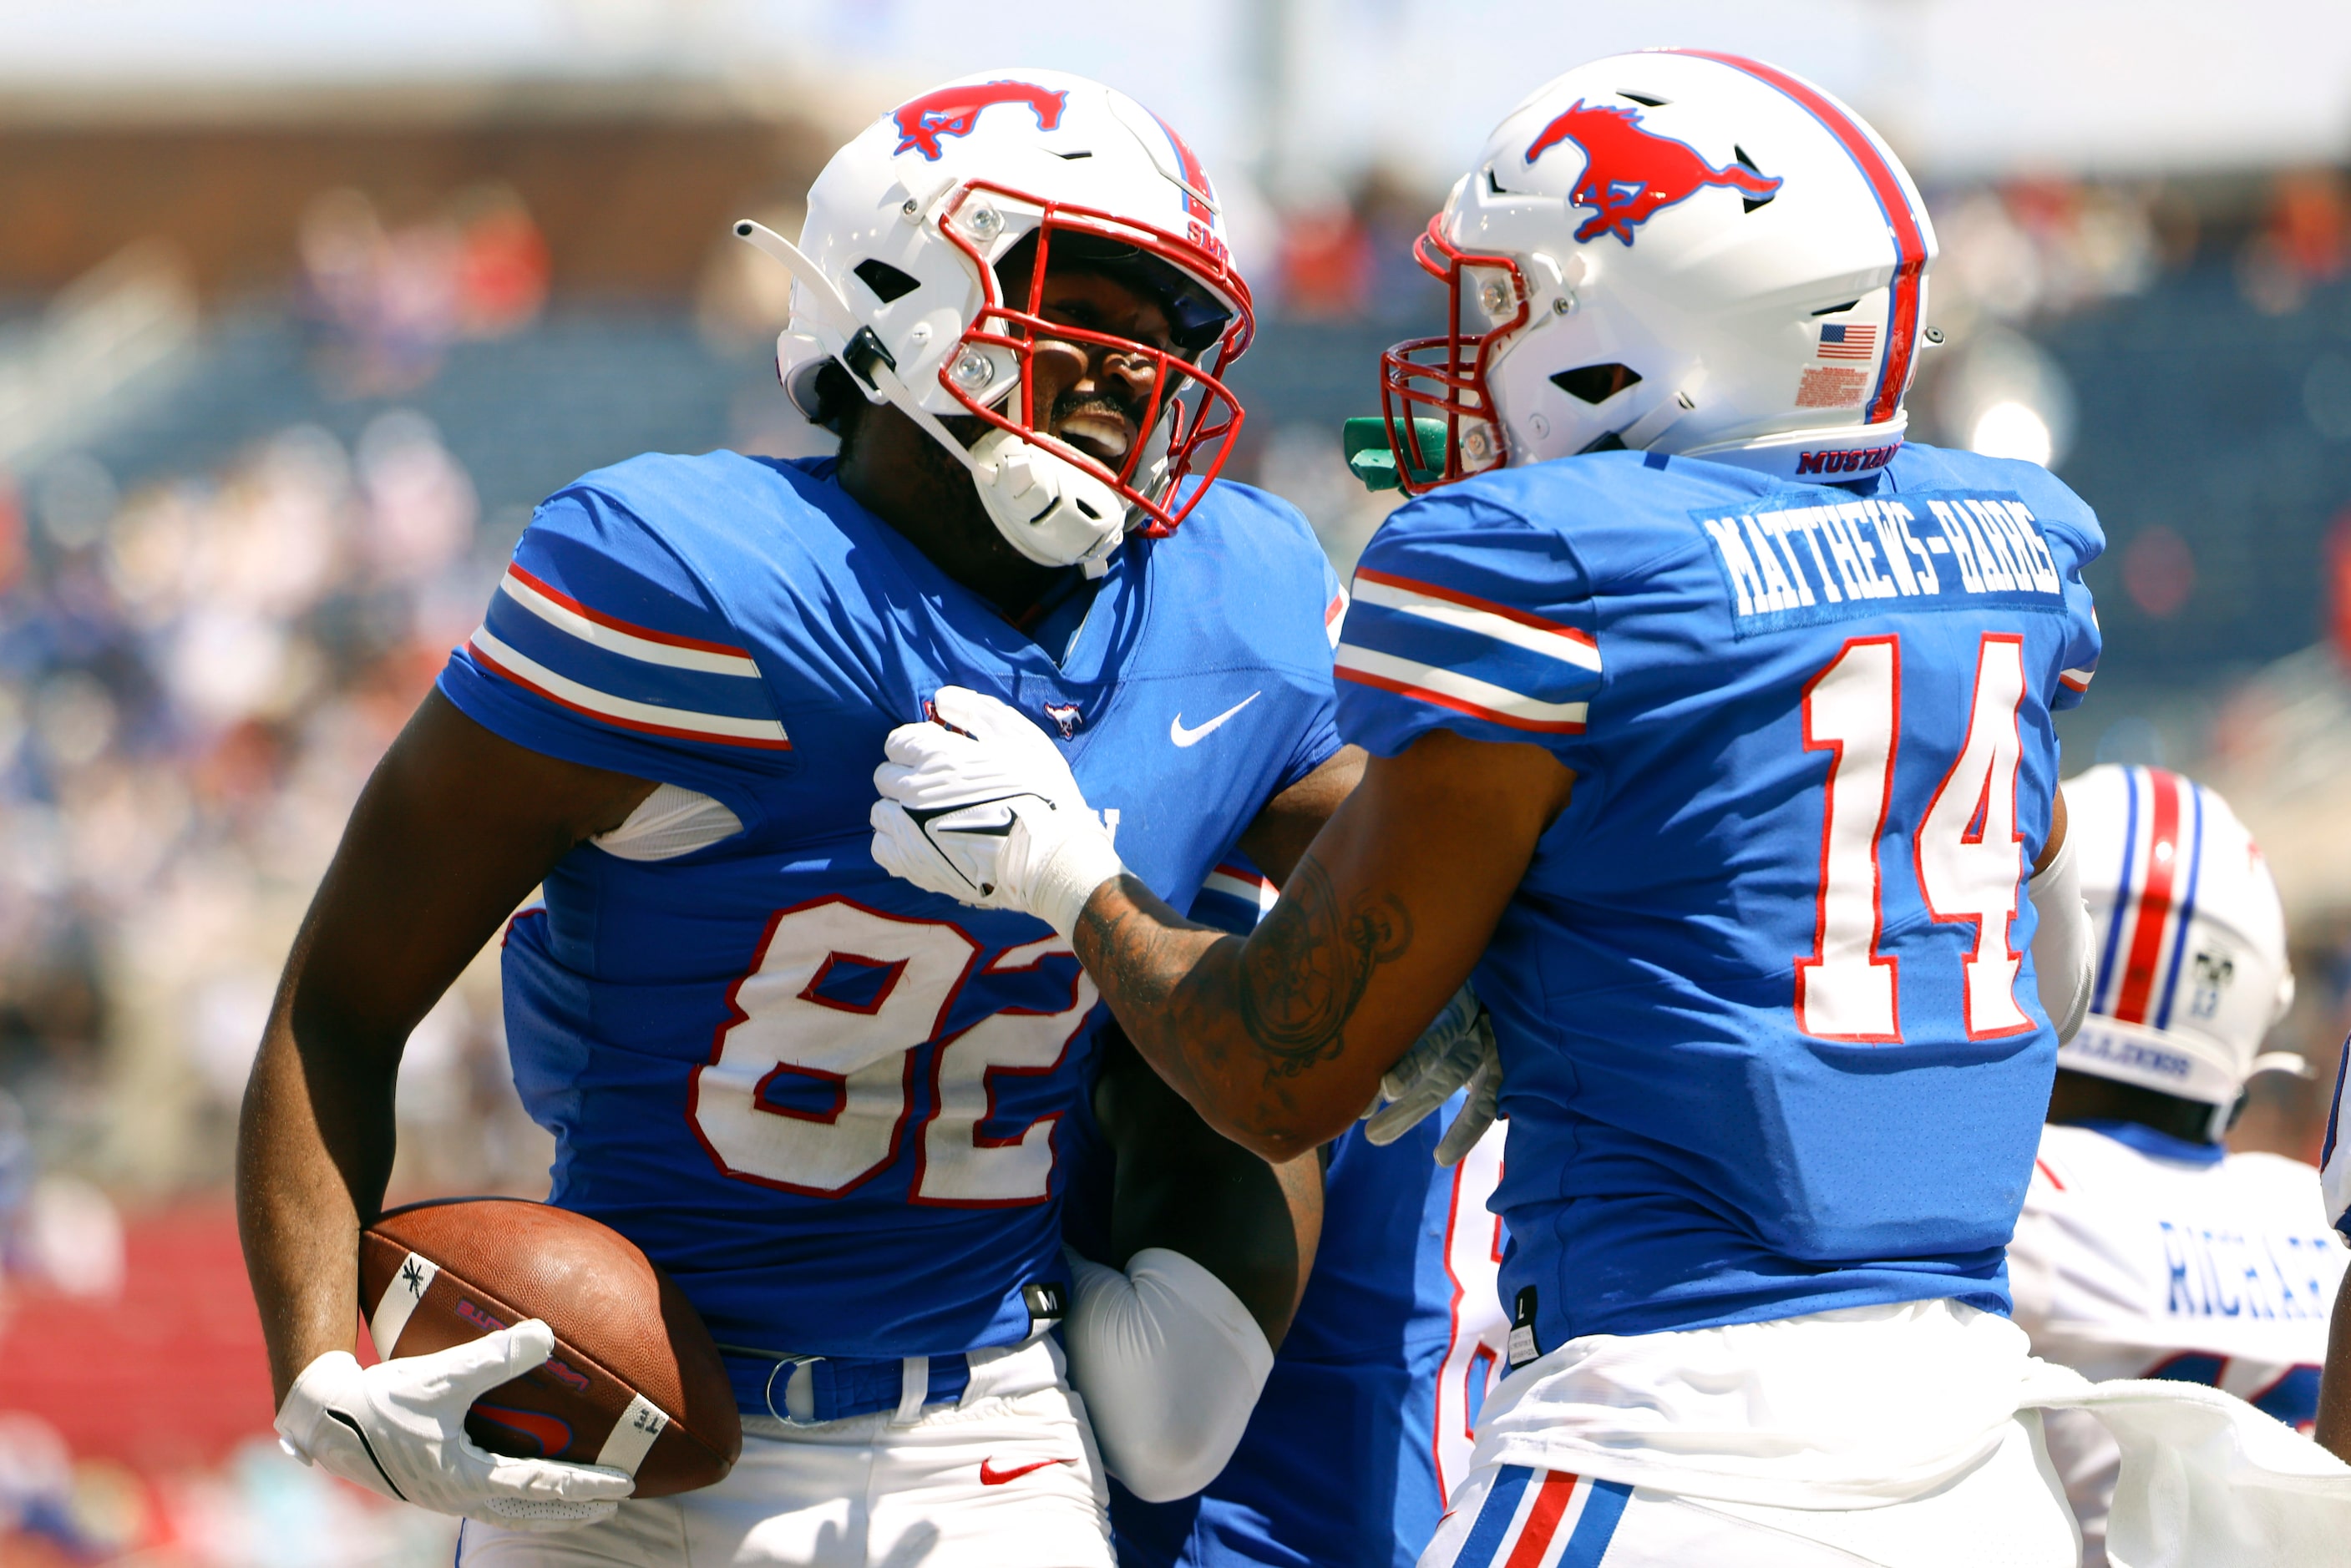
(1479, 617)
(1250, 888)
(648, 717)
(569, 614)
(1463, 693)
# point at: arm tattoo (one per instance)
(1304, 970)
(1132, 949)
(1284, 997)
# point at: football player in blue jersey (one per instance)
(828, 1105)
(1710, 727)
(1366, 1410)
(1395, 1345)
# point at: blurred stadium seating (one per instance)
(266, 439)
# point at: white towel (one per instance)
(2207, 1481)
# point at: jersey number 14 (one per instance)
(1967, 852)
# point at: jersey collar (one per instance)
(1078, 638)
(2160, 1145)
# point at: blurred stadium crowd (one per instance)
(239, 533)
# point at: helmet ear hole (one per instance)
(1596, 383)
(887, 282)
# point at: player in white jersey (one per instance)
(2145, 1249)
(2333, 1424)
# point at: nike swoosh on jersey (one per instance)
(1184, 737)
(990, 1476)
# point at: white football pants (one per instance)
(1006, 1479)
(2007, 1512)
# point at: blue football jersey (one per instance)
(1767, 1009)
(1364, 1423)
(829, 1103)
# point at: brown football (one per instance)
(634, 1381)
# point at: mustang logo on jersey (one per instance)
(1631, 171)
(1801, 565)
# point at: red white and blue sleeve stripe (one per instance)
(1334, 607)
(620, 672)
(1542, 1519)
(2074, 682)
(1234, 897)
(1454, 652)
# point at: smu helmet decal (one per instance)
(955, 110)
(1631, 171)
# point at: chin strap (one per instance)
(1050, 510)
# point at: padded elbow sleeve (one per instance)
(2063, 946)
(1169, 1364)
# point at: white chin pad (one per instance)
(1054, 512)
(1150, 475)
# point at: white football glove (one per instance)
(1455, 1051)
(397, 1429)
(981, 805)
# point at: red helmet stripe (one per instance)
(1901, 222)
(1197, 194)
(2155, 901)
(2109, 967)
(2186, 911)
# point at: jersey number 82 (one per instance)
(813, 1081)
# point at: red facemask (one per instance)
(1203, 416)
(1444, 378)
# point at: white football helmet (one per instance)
(2193, 967)
(1683, 252)
(896, 278)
